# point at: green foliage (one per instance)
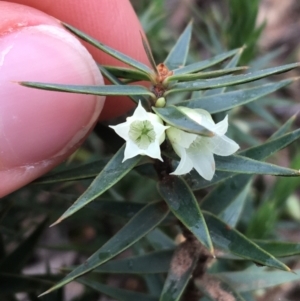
(242, 28)
(179, 238)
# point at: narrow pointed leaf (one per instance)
(159, 240)
(184, 205)
(94, 90)
(260, 152)
(116, 208)
(232, 63)
(151, 263)
(254, 279)
(85, 171)
(240, 164)
(148, 53)
(267, 149)
(233, 210)
(267, 58)
(123, 72)
(226, 81)
(284, 128)
(206, 63)
(265, 115)
(16, 260)
(279, 248)
(182, 266)
(141, 224)
(204, 75)
(178, 54)
(226, 191)
(116, 293)
(231, 240)
(112, 52)
(116, 81)
(114, 171)
(175, 117)
(231, 188)
(225, 101)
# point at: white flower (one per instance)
(197, 151)
(143, 132)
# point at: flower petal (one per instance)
(202, 158)
(185, 165)
(222, 126)
(153, 151)
(200, 116)
(222, 145)
(139, 114)
(131, 150)
(121, 129)
(180, 137)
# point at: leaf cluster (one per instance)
(209, 226)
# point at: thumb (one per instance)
(39, 129)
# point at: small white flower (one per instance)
(197, 151)
(143, 132)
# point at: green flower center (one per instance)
(142, 133)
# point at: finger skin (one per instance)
(113, 22)
(39, 129)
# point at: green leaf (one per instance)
(260, 152)
(278, 248)
(152, 16)
(175, 117)
(93, 90)
(225, 101)
(233, 187)
(116, 293)
(226, 81)
(178, 54)
(141, 224)
(284, 188)
(12, 284)
(113, 172)
(271, 147)
(123, 72)
(184, 205)
(206, 63)
(204, 75)
(227, 191)
(85, 171)
(151, 263)
(149, 53)
(16, 260)
(120, 209)
(116, 81)
(240, 164)
(90, 170)
(159, 240)
(233, 210)
(284, 128)
(263, 113)
(232, 63)
(268, 58)
(257, 278)
(112, 52)
(181, 269)
(229, 239)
